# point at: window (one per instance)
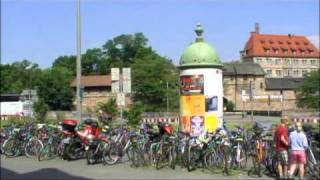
(285, 51)
(296, 72)
(261, 85)
(245, 77)
(295, 61)
(304, 72)
(258, 60)
(267, 51)
(278, 73)
(287, 61)
(269, 72)
(304, 62)
(276, 51)
(294, 52)
(313, 62)
(269, 60)
(278, 61)
(289, 72)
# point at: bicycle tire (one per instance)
(43, 153)
(9, 149)
(112, 154)
(32, 148)
(90, 157)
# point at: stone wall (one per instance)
(237, 91)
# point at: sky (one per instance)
(42, 30)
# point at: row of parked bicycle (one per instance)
(153, 145)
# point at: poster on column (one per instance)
(185, 124)
(192, 105)
(197, 125)
(192, 114)
(191, 84)
(211, 122)
(211, 103)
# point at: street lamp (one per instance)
(79, 108)
(29, 68)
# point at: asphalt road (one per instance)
(25, 168)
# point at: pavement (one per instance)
(29, 168)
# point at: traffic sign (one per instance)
(126, 80)
(115, 77)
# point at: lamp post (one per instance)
(29, 68)
(79, 108)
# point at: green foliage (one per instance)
(109, 107)
(133, 115)
(17, 122)
(40, 109)
(308, 94)
(55, 89)
(122, 49)
(18, 76)
(230, 106)
(68, 62)
(150, 74)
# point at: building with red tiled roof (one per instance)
(281, 55)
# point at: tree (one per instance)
(55, 89)
(308, 93)
(69, 62)
(121, 50)
(150, 74)
(18, 76)
(109, 107)
(40, 109)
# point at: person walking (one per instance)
(298, 145)
(281, 142)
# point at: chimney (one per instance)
(257, 28)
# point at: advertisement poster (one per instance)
(211, 103)
(211, 123)
(185, 124)
(197, 125)
(192, 105)
(191, 84)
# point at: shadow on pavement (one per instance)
(47, 173)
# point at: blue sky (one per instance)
(42, 30)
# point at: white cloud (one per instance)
(315, 39)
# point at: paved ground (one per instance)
(24, 168)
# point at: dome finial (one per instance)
(199, 31)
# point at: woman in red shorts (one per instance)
(298, 143)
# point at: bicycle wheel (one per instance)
(32, 147)
(135, 158)
(192, 157)
(43, 153)
(112, 154)
(172, 157)
(90, 157)
(9, 147)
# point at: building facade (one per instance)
(265, 94)
(96, 89)
(281, 55)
